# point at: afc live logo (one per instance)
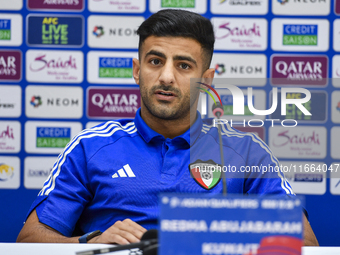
(58, 30)
(53, 32)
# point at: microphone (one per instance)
(152, 249)
(148, 244)
(218, 111)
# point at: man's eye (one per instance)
(184, 66)
(155, 61)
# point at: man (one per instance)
(108, 178)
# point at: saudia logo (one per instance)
(7, 134)
(302, 139)
(41, 63)
(53, 32)
(240, 31)
(6, 172)
(5, 29)
(300, 34)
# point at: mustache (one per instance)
(165, 88)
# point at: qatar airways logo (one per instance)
(243, 31)
(54, 66)
(295, 70)
(41, 63)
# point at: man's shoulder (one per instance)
(106, 133)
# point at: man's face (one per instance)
(163, 73)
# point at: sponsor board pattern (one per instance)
(61, 73)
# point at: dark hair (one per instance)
(180, 23)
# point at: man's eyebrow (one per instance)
(162, 55)
(190, 59)
(156, 53)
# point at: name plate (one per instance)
(233, 224)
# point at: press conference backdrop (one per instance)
(66, 65)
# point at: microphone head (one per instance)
(150, 234)
(218, 110)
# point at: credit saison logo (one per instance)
(236, 102)
(298, 34)
(282, 1)
(114, 67)
(53, 137)
(55, 30)
(178, 3)
(5, 29)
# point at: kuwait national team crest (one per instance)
(206, 173)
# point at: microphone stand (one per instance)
(224, 181)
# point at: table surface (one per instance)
(71, 249)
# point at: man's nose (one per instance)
(167, 76)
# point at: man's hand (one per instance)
(122, 232)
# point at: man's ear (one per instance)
(136, 69)
(208, 76)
